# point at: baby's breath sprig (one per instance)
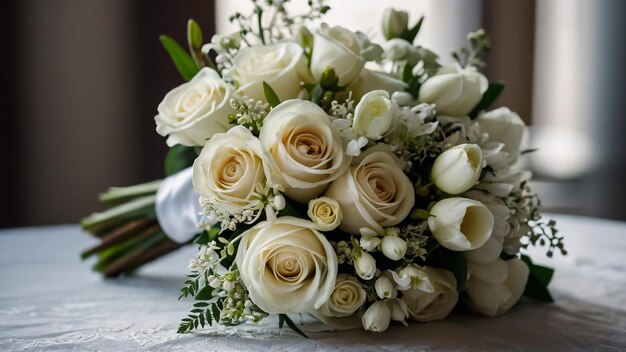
(479, 44)
(250, 114)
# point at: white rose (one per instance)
(457, 169)
(229, 169)
(506, 127)
(494, 288)
(287, 266)
(374, 115)
(454, 90)
(303, 151)
(460, 224)
(377, 316)
(325, 212)
(338, 48)
(282, 65)
(347, 297)
(374, 193)
(369, 80)
(194, 111)
(365, 265)
(394, 23)
(393, 247)
(429, 306)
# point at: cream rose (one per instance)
(283, 66)
(194, 111)
(347, 297)
(303, 151)
(506, 127)
(325, 212)
(494, 288)
(454, 90)
(338, 48)
(436, 305)
(457, 169)
(374, 193)
(369, 80)
(460, 224)
(287, 266)
(228, 170)
(375, 115)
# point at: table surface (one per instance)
(51, 301)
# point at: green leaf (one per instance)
(183, 62)
(491, 94)
(539, 278)
(205, 293)
(284, 318)
(412, 33)
(451, 261)
(179, 158)
(216, 312)
(316, 94)
(270, 95)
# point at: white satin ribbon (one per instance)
(177, 207)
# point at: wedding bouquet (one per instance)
(355, 182)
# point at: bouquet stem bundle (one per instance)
(129, 232)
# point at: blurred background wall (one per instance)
(80, 82)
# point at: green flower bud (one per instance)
(329, 78)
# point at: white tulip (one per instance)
(338, 48)
(325, 212)
(229, 170)
(457, 169)
(494, 288)
(303, 152)
(393, 247)
(455, 90)
(374, 115)
(399, 310)
(194, 111)
(287, 265)
(370, 242)
(374, 193)
(365, 265)
(395, 23)
(282, 65)
(377, 317)
(347, 297)
(384, 287)
(412, 277)
(504, 126)
(435, 305)
(460, 224)
(369, 80)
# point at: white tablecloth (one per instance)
(51, 301)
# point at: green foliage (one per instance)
(179, 158)
(270, 95)
(203, 313)
(183, 62)
(410, 35)
(491, 94)
(284, 318)
(208, 236)
(539, 278)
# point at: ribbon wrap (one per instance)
(177, 207)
